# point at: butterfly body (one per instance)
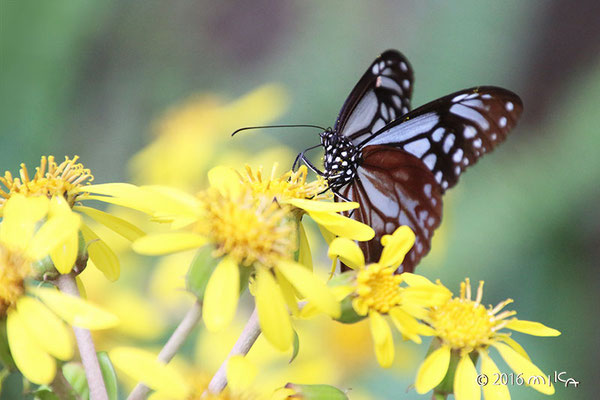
(397, 163)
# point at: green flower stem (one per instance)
(439, 396)
(173, 345)
(242, 346)
(87, 351)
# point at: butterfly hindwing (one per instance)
(453, 132)
(380, 96)
(395, 188)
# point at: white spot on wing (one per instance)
(389, 83)
(384, 112)
(469, 132)
(477, 142)
(378, 125)
(405, 84)
(397, 101)
(509, 106)
(438, 134)
(457, 156)
(470, 114)
(459, 97)
(448, 143)
(438, 176)
(430, 160)
(502, 122)
(375, 69)
(407, 129)
(403, 66)
(418, 147)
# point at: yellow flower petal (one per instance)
(515, 346)
(76, 311)
(272, 313)
(164, 243)
(343, 226)
(433, 370)
(225, 180)
(531, 328)
(101, 255)
(48, 330)
(396, 246)
(58, 205)
(520, 365)
(31, 359)
(123, 194)
(489, 368)
(221, 295)
(116, 224)
(143, 366)
(465, 380)
(408, 325)
(20, 215)
(315, 291)
(382, 339)
(415, 280)
(321, 206)
(348, 252)
(328, 236)
(287, 290)
(65, 254)
(53, 233)
(240, 373)
(304, 253)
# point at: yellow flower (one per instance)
(169, 383)
(465, 329)
(247, 231)
(292, 189)
(377, 291)
(66, 184)
(34, 315)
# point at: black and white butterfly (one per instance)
(397, 163)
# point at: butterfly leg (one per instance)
(301, 155)
(312, 167)
(344, 198)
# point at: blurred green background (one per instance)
(90, 77)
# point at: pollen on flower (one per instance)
(250, 229)
(14, 268)
(50, 179)
(465, 324)
(291, 185)
(378, 288)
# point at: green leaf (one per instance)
(317, 392)
(75, 375)
(349, 316)
(200, 271)
(109, 375)
(296, 348)
(45, 394)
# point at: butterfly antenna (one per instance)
(278, 126)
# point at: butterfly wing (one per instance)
(380, 96)
(395, 188)
(453, 132)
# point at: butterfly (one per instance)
(397, 163)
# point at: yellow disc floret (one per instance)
(291, 185)
(50, 179)
(465, 324)
(377, 289)
(14, 268)
(250, 229)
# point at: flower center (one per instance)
(250, 229)
(291, 185)
(465, 324)
(50, 179)
(14, 268)
(378, 287)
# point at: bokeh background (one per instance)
(103, 80)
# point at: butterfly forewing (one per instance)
(395, 188)
(453, 132)
(380, 96)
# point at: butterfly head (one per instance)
(340, 160)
